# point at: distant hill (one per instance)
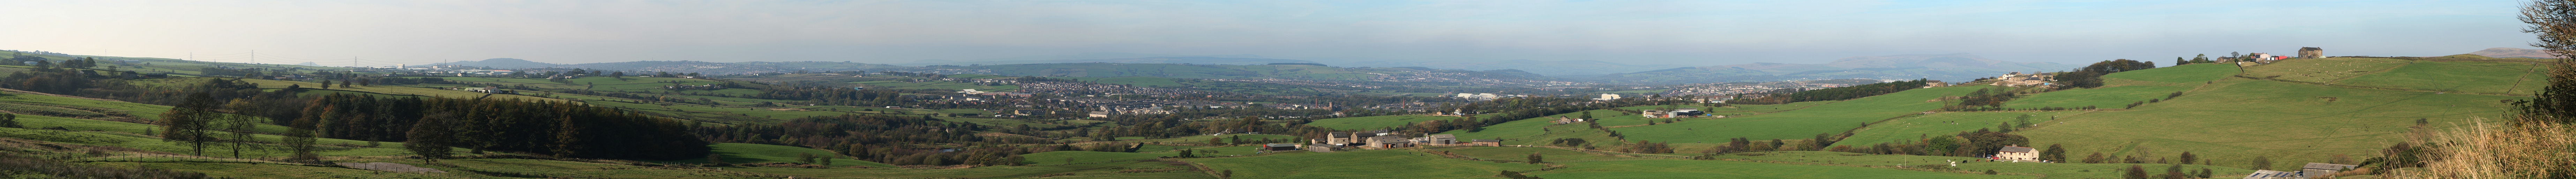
(503, 63)
(730, 68)
(1172, 60)
(1567, 67)
(2501, 52)
(1225, 71)
(1956, 66)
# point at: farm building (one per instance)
(2312, 52)
(2324, 168)
(2019, 79)
(1441, 139)
(2017, 153)
(2269, 174)
(1485, 142)
(1280, 147)
(1934, 83)
(1565, 120)
(1388, 142)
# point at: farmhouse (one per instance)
(1934, 83)
(2312, 52)
(2017, 153)
(2019, 79)
(1485, 142)
(1388, 142)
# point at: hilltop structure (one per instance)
(2312, 52)
(2019, 79)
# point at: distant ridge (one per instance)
(2501, 52)
(1562, 67)
(1955, 66)
(503, 63)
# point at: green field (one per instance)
(1912, 128)
(2472, 77)
(1357, 164)
(1736, 169)
(1073, 157)
(2323, 70)
(2291, 123)
(2194, 73)
(2052, 170)
(2101, 98)
(1798, 124)
(762, 153)
(1375, 122)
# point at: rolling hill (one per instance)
(1949, 67)
(1230, 71)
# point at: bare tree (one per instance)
(240, 124)
(189, 122)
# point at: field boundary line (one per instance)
(2382, 70)
(2366, 87)
(1579, 150)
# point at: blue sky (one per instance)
(1682, 33)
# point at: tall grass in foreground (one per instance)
(2525, 150)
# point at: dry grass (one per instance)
(2522, 150)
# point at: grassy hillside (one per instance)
(1736, 169)
(1798, 124)
(1912, 128)
(763, 153)
(1357, 164)
(1073, 157)
(1375, 122)
(2129, 87)
(2051, 170)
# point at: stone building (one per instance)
(2312, 52)
(2019, 79)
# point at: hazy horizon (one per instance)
(1682, 33)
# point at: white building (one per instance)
(1607, 97)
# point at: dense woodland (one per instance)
(547, 128)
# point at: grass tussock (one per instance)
(2522, 150)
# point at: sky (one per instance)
(1680, 33)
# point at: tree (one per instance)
(299, 138)
(2187, 157)
(241, 124)
(326, 84)
(2134, 172)
(10, 121)
(430, 137)
(2262, 163)
(2055, 153)
(2095, 158)
(189, 122)
(805, 158)
(1186, 154)
(1534, 158)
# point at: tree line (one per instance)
(1785, 96)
